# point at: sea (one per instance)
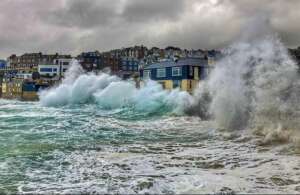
(96, 133)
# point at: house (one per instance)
(57, 67)
(12, 88)
(129, 67)
(2, 63)
(130, 64)
(48, 69)
(184, 73)
(22, 75)
(138, 52)
(91, 60)
(111, 62)
(30, 61)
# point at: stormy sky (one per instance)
(72, 26)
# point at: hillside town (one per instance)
(21, 77)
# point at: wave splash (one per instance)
(256, 86)
(111, 92)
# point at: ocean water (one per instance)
(87, 149)
(95, 133)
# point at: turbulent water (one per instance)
(238, 133)
(87, 149)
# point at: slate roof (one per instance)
(180, 62)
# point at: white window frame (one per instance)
(176, 71)
(161, 72)
(147, 74)
(191, 70)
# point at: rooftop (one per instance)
(180, 62)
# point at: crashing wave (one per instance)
(256, 85)
(111, 92)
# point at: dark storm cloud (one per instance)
(76, 25)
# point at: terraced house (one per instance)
(184, 73)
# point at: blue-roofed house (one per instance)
(184, 73)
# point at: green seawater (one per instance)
(84, 148)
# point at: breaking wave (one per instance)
(111, 92)
(255, 86)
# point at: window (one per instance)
(161, 72)
(191, 70)
(147, 74)
(124, 68)
(176, 71)
(45, 69)
(54, 69)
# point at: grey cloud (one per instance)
(85, 13)
(92, 13)
(145, 10)
(71, 26)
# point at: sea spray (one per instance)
(257, 86)
(111, 92)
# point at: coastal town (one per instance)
(23, 76)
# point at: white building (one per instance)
(24, 75)
(57, 68)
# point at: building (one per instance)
(91, 60)
(56, 67)
(172, 52)
(27, 90)
(130, 64)
(12, 88)
(111, 62)
(23, 76)
(184, 73)
(2, 63)
(30, 90)
(129, 67)
(137, 52)
(48, 70)
(30, 61)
